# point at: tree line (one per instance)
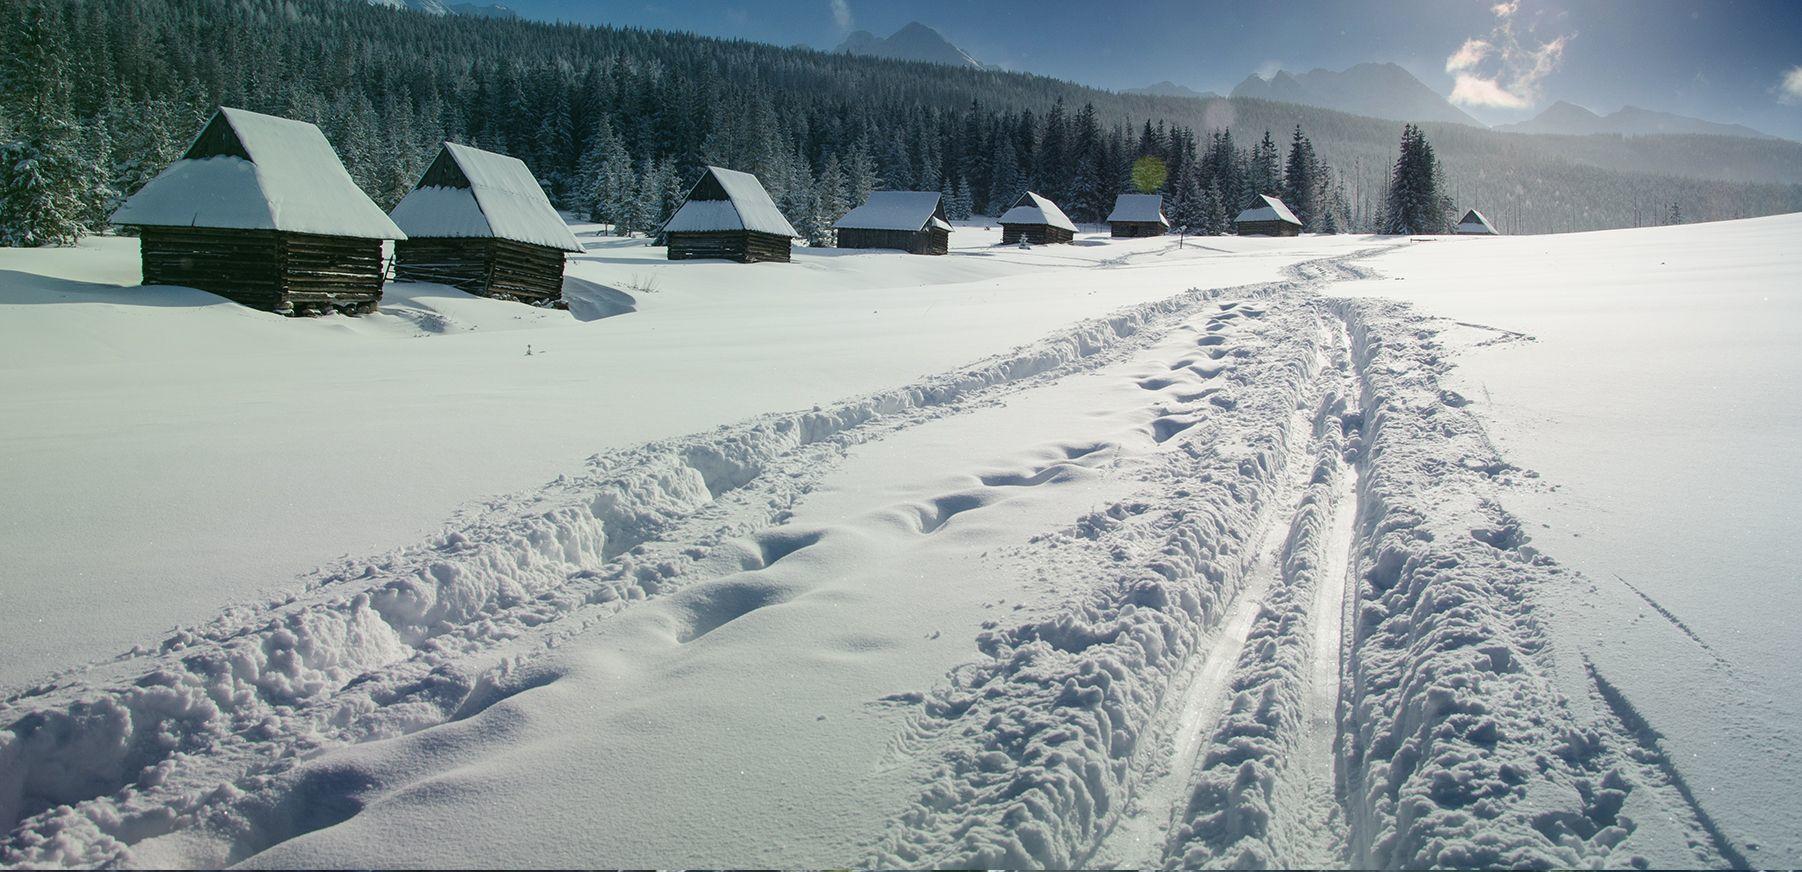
(96, 96)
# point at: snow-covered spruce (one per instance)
(389, 645)
(1035, 742)
(1233, 813)
(1459, 751)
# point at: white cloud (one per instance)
(1477, 91)
(1789, 88)
(1501, 70)
(1468, 55)
(1268, 69)
(841, 14)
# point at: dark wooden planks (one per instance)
(292, 273)
(740, 245)
(931, 240)
(1036, 234)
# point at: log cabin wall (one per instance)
(1136, 229)
(1036, 234)
(1268, 228)
(932, 240)
(291, 273)
(320, 273)
(499, 268)
(739, 245)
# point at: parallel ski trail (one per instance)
(397, 643)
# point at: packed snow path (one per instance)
(1223, 579)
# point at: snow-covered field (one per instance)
(1318, 551)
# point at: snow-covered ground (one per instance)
(1318, 551)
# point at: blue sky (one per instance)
(1724, 60)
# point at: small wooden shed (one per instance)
(912, 221)
(1036, 220)
(1474, 224)
(728, 215)
(1138, 215)
(259, 210)
(479, 222)
(1267, 217)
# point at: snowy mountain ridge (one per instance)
(1371, 89)
(915, 42)
(1168, 88)
(440, 7)
(1569, 119)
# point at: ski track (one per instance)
(1316, 645)
(99, 758)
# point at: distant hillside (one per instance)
(441, 7)
(389, 87)
(1171, 89)
(915, 42)
(1569, 119)
(1376, 90)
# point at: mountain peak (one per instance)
(1379, 90)
(1568, 119)
(1168, 88)
(913, 42)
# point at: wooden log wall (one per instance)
(1136, 229)
(1037, 234)
(1267, 228)
(740, 245)
(321, 273)
(499, 268)
(291, 273)
(932, 240)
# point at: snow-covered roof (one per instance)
(895, 210)
(1139, 207)
(468, 192)
(249, 171)
(728, 200)
(1272, 210)
(1475, 223)
(1034, 209)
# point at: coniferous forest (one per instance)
(96, 96)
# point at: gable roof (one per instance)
(1271, 210)
(1034, 209)
(910, 211)
(1139, 207)
(726, 199)
(249, 171)
(471, 193)
(1475, 223)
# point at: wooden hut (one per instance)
(728, 215)
(479, 222)
(1267, 217)
(259, 210)
(1036, 220)
(912, 221)
(1474, 224)
(1138, 215)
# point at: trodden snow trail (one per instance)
(166, 736)
(1178, 662)
(1202, 693)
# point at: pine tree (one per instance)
(1215, 219)
(48, 186)
(1301, 188)
(1008, 184)
(1415, 202)
(860, 174)
(1675, 216)
(1265, 171)
(961, 207)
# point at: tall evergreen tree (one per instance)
(48, 185)
(1301, 187)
